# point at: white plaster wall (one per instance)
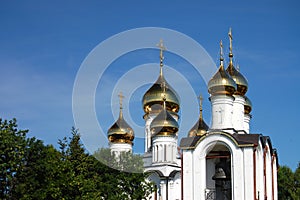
(247, 118)
(120, 147)
(199, 178)
(269, 172)
(148, 120)
(164, 149)
(260, 172)
(222, 110)
(199, 165)
(248, 173)
(175, 187)
(238, 112)
(275, 179)
(237, 168)
(187, 174)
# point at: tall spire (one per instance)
(221, 53)
(230, 46)
(121, 97)
(161, 55)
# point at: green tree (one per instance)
(288, 183)
(297, 181)
(31, 170)
(123, 177)
(12, 150)
(41, 175)
(81, 180)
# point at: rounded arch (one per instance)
(207, 144)
(174, 173)
(227, 154)
(154, 173)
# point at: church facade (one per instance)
(221, 161)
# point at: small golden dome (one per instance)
(200, 128)
(152, 99)
(221, 83)
(239, 79)
(164, 124)
(247, 106)
(120, 131)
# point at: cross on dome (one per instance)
(161, 55)
(121, 97)
(230, 45)
(200, 104)
(221, 53)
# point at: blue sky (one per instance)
(43, 44)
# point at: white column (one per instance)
(248, 173)
(163, 189)
(237, 174)
(200, 176)
(222, 109)
(120, 147)
(238, 112)
(269, 173)
(148, 119)
(260, 172)
(275, 178)
(188, 184)
(167, 147)
(247, 118)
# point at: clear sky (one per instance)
(44, 43)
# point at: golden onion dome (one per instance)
(164, 124)
(152, 99)
(120, 131)
(200, 128)
(239, 79)
(247, 106)
(221, 83)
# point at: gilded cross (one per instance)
(230, 40)
(121, 97)
(162, 48)
(200, 104)
(200, 101)
(221, 51)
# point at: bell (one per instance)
(219, 175)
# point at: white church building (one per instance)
(217, 162)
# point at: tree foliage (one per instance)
(289, 183)
(31, 170)
(127, 169)
(12, 149)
